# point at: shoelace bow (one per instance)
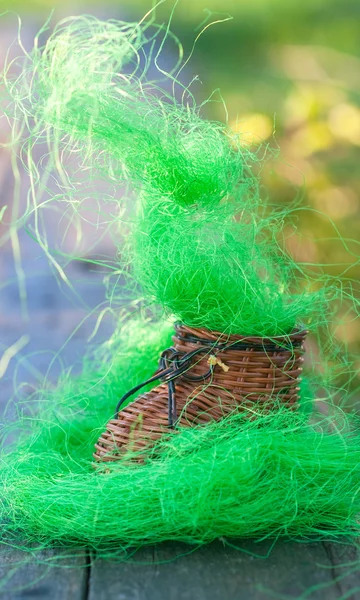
(174, 363)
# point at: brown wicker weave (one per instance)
(262, 372)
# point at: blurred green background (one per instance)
(289, 73)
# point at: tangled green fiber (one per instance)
(203, 245)
(272, 476)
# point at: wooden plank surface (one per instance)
(57, 320)
(174, 571)
(48, 574)
(345, 559)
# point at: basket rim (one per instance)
(299, 333)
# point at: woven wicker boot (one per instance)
(205, 376)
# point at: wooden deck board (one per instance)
(175, 571)
(345, 559)
(217, 572)
(33, 575)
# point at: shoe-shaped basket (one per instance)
(203, 377)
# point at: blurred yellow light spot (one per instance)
(336, 202)
(299, 106)
(309, 102)
(344, 122)
(253, 128)
(314, 137)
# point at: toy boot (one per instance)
(205, 376)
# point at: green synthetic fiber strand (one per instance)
(276, 475)
(202, 244)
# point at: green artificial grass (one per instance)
(202, 244)
(273, 476)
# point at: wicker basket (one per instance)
(205, 376)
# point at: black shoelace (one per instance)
(174, 363)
